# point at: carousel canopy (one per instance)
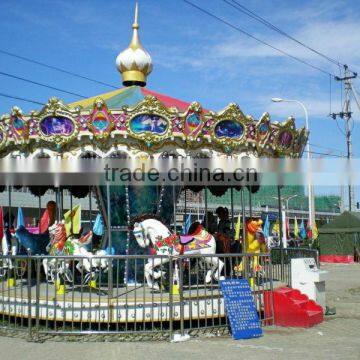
(138, 119)
(130, 96)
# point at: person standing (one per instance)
(225, 234)
(210, 223)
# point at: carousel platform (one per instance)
(131, 304)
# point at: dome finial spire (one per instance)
(134, 63)
(136, 24)
(135, 41)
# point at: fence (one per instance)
(281, 261)
(111, 294)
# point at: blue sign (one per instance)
(240, 309)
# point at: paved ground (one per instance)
(337, 338)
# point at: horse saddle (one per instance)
(186, 239)
(199, 234)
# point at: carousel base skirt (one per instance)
(130, 304)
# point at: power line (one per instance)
(40, 84)
(325, 154)
(326, 148)
(235, 4)
(255, 38)
(21, 99)
(56, 68)
(330, 95)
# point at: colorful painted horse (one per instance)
(57, 246)
(60, 245)
(153, 233)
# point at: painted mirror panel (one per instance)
(56, 125)
(148, 123)
(192, 123)
(285, 139)
(229, 128)
(100, 123)
(263, 129)
(19, 125)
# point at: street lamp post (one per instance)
(288, 199)
(310, 188)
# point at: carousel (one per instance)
(128, 269)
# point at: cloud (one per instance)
(326, 26)
(337, 39)
(324, 9)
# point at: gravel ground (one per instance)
(338, 337)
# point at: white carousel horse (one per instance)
(8, 249)
(152, 232)
(10, 246)
(91, 263)
(60, 245)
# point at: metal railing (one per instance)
(281, 261)
(156, 295)
(195, 208)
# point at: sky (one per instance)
(196, 58)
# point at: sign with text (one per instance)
(240, 309)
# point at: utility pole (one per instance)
(345, 114)
(342, 197)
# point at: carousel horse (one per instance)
(60, 245)
(35, 244)
(92, 263)
(20, 242)
(9, 243)
(153, 233)
(9, 246)
(255, 243)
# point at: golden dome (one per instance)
(134, 63)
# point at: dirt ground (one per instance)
(338, 337)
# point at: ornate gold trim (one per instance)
(4, 137)
(287, 126)
(175, 132)
(302, 136)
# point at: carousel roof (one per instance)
(129, 96)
